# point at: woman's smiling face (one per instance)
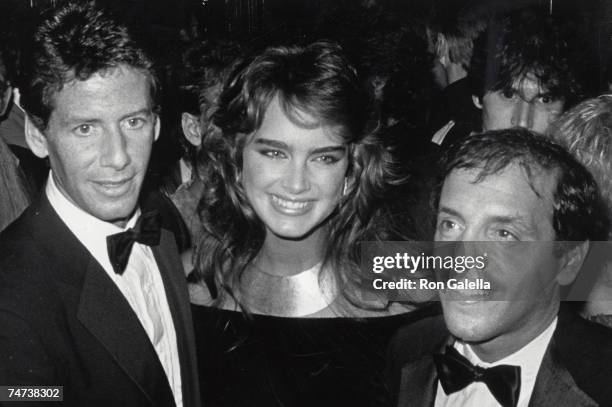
(293, 176)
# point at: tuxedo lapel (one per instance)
(175, 284)
(412, 348)
(418, 383)
(108, 316)
(555, 386)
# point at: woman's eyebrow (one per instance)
(329, 149)
(271, 143)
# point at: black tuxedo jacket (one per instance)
(64, 322)
(576, 370)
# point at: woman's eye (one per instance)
(327, 159)
(273, 153)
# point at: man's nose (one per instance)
(523, 114)
(115, 152)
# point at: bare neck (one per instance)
(455, 72)
(285, 257)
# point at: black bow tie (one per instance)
(456, 372)
(145, 231)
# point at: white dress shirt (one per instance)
(185, 171)
(141, 284)
(529, 358)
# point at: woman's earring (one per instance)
(345, 188)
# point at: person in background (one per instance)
(12, 117)
(527, 68)
(451, 37)
(294, 184)
(14, 195)
(6, 88)
(586, 132)
(205, 67)
(92, 292)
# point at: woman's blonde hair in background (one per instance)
(586, 131)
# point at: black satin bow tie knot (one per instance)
(145, 231)
(455, 373)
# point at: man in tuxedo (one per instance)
(531, 209)
(92, 293)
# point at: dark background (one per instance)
(376, 34)
(261, 20)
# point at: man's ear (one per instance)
(571, 263)
(191, 128)
(157, 127)
(477, 102)
(35, 139)
(6, 99)
(442, 50)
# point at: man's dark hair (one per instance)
(204, 67)
(75, 42)
(578, 210)
(528, 42)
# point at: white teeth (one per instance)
(289, 204)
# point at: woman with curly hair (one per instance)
(294, 183)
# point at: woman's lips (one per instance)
(290, 206)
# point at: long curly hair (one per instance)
(316, 79)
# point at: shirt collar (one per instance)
(529, 357)
(17, 99)
(185, 170)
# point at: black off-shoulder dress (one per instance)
(278, 361)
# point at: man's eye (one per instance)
(135, 123)
(508, 93)
(545, 99)
(446, 225)
(84, 129)
(503, 234)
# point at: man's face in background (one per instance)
(524, 104)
